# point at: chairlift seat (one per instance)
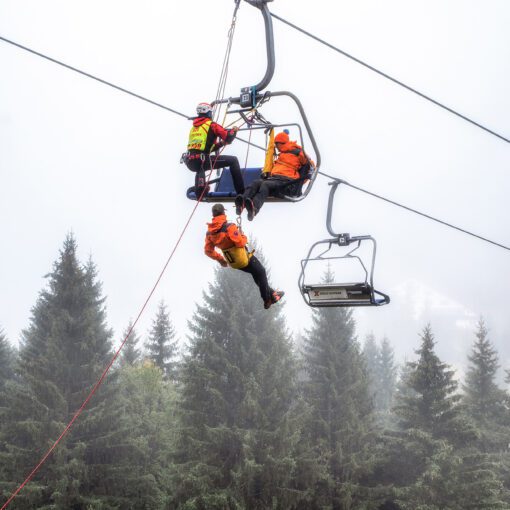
(224, 190)
(343, 294)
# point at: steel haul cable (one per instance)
(446, 224)
(394, 80)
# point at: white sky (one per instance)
(78, 156)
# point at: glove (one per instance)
(264, 175)
(223, 263)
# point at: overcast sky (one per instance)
(78, 156)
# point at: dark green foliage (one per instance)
(432, 459)
(237, 402)
(433, 405)
(388, 378)
(486, 403)
(341, 420)
(149, 424)
(63, 353)
(7, 358)
(130, 353)
(162, 345)
(382, 376)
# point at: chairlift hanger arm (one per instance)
(268, 23)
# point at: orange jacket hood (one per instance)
(216, 223)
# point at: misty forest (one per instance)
(236, 413)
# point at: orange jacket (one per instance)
(223, 240)
(289, 161)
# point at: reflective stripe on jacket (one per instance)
(203, 134)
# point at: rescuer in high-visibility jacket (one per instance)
(287, 168)
(232, 243)
(203, 140)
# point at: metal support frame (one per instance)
(342, 239)
(258, 96)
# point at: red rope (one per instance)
(106, 370)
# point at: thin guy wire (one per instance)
(104, 82)
(88, 75)
(224, 70)
(394, 80)
(416, 212)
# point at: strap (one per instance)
(225, 226)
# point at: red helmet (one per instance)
(204, 109)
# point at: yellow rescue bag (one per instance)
(269, 162)
(237, 258)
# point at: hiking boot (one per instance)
(202, 192)
(239, 204)
(275, 297)
(250, 208)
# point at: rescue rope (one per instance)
(226, 59)
(107, 369)
(105, 82)
(394, 80)
(446, 224)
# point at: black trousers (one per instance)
(260, 189)
(200, 167)
(256, 269)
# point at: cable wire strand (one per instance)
(394, 80)
(88, 75)
(410, 209)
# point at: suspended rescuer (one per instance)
(205, 137)
(290, 169)
(232, 243)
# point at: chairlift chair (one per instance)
(341, 294)
(249, 101)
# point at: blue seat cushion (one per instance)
(225, 187)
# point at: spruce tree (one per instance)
(162, 345)
(341, 418)
(371, 354)
(432, 459)
(64, 351)
(150, 424)
(6, 360)
(387, 372)
(130, 354)
(237, 402)
(485, 401)
(433, 407)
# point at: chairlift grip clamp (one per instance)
(344, 239)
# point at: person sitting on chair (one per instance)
(232, 243)
(202, 141)
(287, 172)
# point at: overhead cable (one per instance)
(88, 75)
(394, 80)
(104, 82)
(446, 224)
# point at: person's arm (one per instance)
(209, 250)
(227, 135)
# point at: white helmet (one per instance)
(204, 108)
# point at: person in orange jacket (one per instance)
(286, 169)
(232, 243)
(205, 137)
